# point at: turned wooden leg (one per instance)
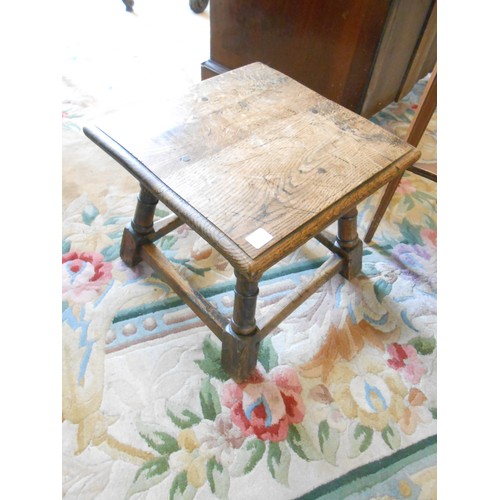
(350, 244)
(240, 346)
(141, 225)
(245, 302)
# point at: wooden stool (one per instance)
(256, 164)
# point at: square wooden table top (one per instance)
(254, 161)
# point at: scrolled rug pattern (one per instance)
(343, 404)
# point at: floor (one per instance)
(118, 57)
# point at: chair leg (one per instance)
(426, 108)
(382, 207)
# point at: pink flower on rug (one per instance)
(84, 275)
(266, 405)
(405, 358)
(406, 187)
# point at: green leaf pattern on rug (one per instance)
(210, 404)
(329, 442)
(157, 469)
(151, 468)
(161, 442)
(180, 489)
(256, 447)
(185, 420)
(362, 437)
(410, 232)
(268, 357)
(423, 345)
(246, 457)
(391, 436)
(218, 478)
(210, 364)
(278, 461)
(301, 443)
(149, 474)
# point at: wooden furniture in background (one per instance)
(418, 125)
(362, 54)
(257, 165)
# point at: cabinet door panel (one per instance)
(328, 45)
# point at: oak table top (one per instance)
(254, 161)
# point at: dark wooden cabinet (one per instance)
(362, 54)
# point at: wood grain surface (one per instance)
(253, 149)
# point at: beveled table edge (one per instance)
(329, 215)
(236, 256)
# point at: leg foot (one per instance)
(239, 354)
(130, 246)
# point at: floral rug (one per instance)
(343, 404)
